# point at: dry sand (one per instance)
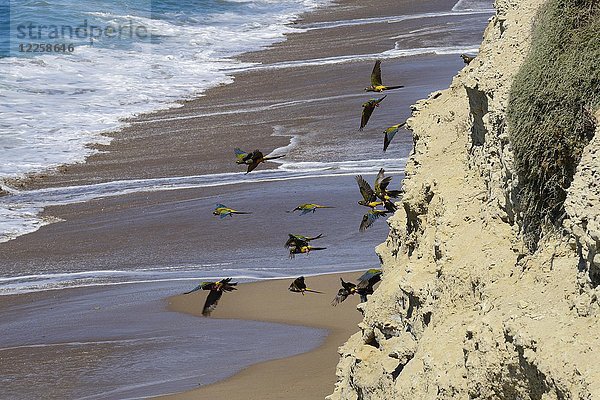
(306, 376)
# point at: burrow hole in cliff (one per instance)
(372, 341)
(427, 318)
(396, 372)
(478, 107)
(594, 274)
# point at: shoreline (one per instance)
(305, 121)
(174, 225)
(109, 330)
(306, 375)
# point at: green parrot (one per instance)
(381, 184)
(371, 196)
(348, 288)
(376, 85)
(303, 250)
(364, 287)
(467, 58)
(299, 240)
(223, 211)
(299, 286)
(389, 134)
(308, 207)
(216, 291)
(370, 217)
(253, 159)
(368, 108)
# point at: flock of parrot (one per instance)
(372, 197)
(364, 286)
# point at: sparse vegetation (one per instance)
(551, 108)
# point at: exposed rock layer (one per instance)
(463, 310)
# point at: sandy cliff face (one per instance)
(463, 310)
(583, 208)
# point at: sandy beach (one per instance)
(305, 376)
(310, 101)
(126, 254)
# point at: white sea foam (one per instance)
(388, 54)
(247, 110)
(474, 6)
(186, 273)
(54, 106)
(58, 281)
(90, 343)
(385, 55)
(19, 212)
(460, 11)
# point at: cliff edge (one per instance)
(469, 306)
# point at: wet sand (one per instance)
(121, 342)
(177, 228)
(305, 376)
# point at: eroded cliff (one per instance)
(465, 309)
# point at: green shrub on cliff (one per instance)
(550, 109)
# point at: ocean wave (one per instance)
(72, 276)
(68, 280)
(388, 54)
(247, 110)
(20, 211)
(400, 18)
(147, 340)
(190, 273)
(70, 100)
(474, 5)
